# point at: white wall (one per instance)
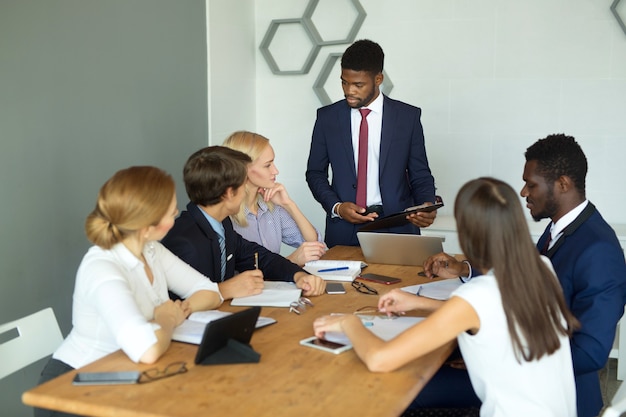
(491, 77)
(232, 65)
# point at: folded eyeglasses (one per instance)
(363, 289)
(300, 306)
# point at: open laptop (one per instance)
(398, 249)
(226, 340)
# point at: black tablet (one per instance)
(226, 340)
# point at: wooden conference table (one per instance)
(290, 380)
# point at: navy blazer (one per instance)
(404, 174)
(589, 263)
(194, 241)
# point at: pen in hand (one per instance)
(419, 289)
(256, 260)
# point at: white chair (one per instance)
(617, 353)
(37, 336)
(618, 403)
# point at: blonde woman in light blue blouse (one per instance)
(268, 216)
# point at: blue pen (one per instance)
(341, 268)
(419, 289)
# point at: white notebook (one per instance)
(439, 290)
(331, 270)
(192, 329)
(274, 294)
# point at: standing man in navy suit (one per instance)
(396, 174)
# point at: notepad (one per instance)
(351, 271)
(439, 290)
(192, 329)
(384, 328)
(274, 294)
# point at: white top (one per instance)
(505, 386)
(114, 301)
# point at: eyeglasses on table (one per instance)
(300, 306)
(363, 289)
(154, 374)
(371, 312)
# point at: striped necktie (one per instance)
(223, 255)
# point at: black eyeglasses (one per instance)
(155, 374)
(363, 289)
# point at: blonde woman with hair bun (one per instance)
(268, 216)
(121, 296)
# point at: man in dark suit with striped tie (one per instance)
(203, 235)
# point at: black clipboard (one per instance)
(399, 219)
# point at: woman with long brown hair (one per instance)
(511, 323)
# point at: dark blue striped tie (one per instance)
(223, 253)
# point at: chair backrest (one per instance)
(38, 335)
(618, 403)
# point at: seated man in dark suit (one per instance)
(203, 235)
(584, 251)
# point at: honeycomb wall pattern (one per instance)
(317, 40)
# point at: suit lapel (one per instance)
(571, 228)
(211, 235)
(344, 121)
(387, 129)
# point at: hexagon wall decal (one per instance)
(269, 37)
(617, 16)
(356, 24)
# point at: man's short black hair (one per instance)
(558, 155)
(364, 55)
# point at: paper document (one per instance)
(384, 328)
(439, 290)
(192, 329)
(275, 294)
(330, 270)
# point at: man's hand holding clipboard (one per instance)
(421, 216)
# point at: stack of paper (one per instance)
(439, 290)
(192, 329)
(274, 294)
(331, 270)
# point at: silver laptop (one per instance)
(398, 249)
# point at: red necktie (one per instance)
(361, 179)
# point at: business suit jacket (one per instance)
(404, 175)
(194, 241)
(589, 263)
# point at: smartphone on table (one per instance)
(325, 345)
(335, 288)
(107, 378)
(379, 279)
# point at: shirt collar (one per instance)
(567, 219)
(375, 106)
(259, 202)
(126, 257)
(216, 225)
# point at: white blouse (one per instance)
(114, 301)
